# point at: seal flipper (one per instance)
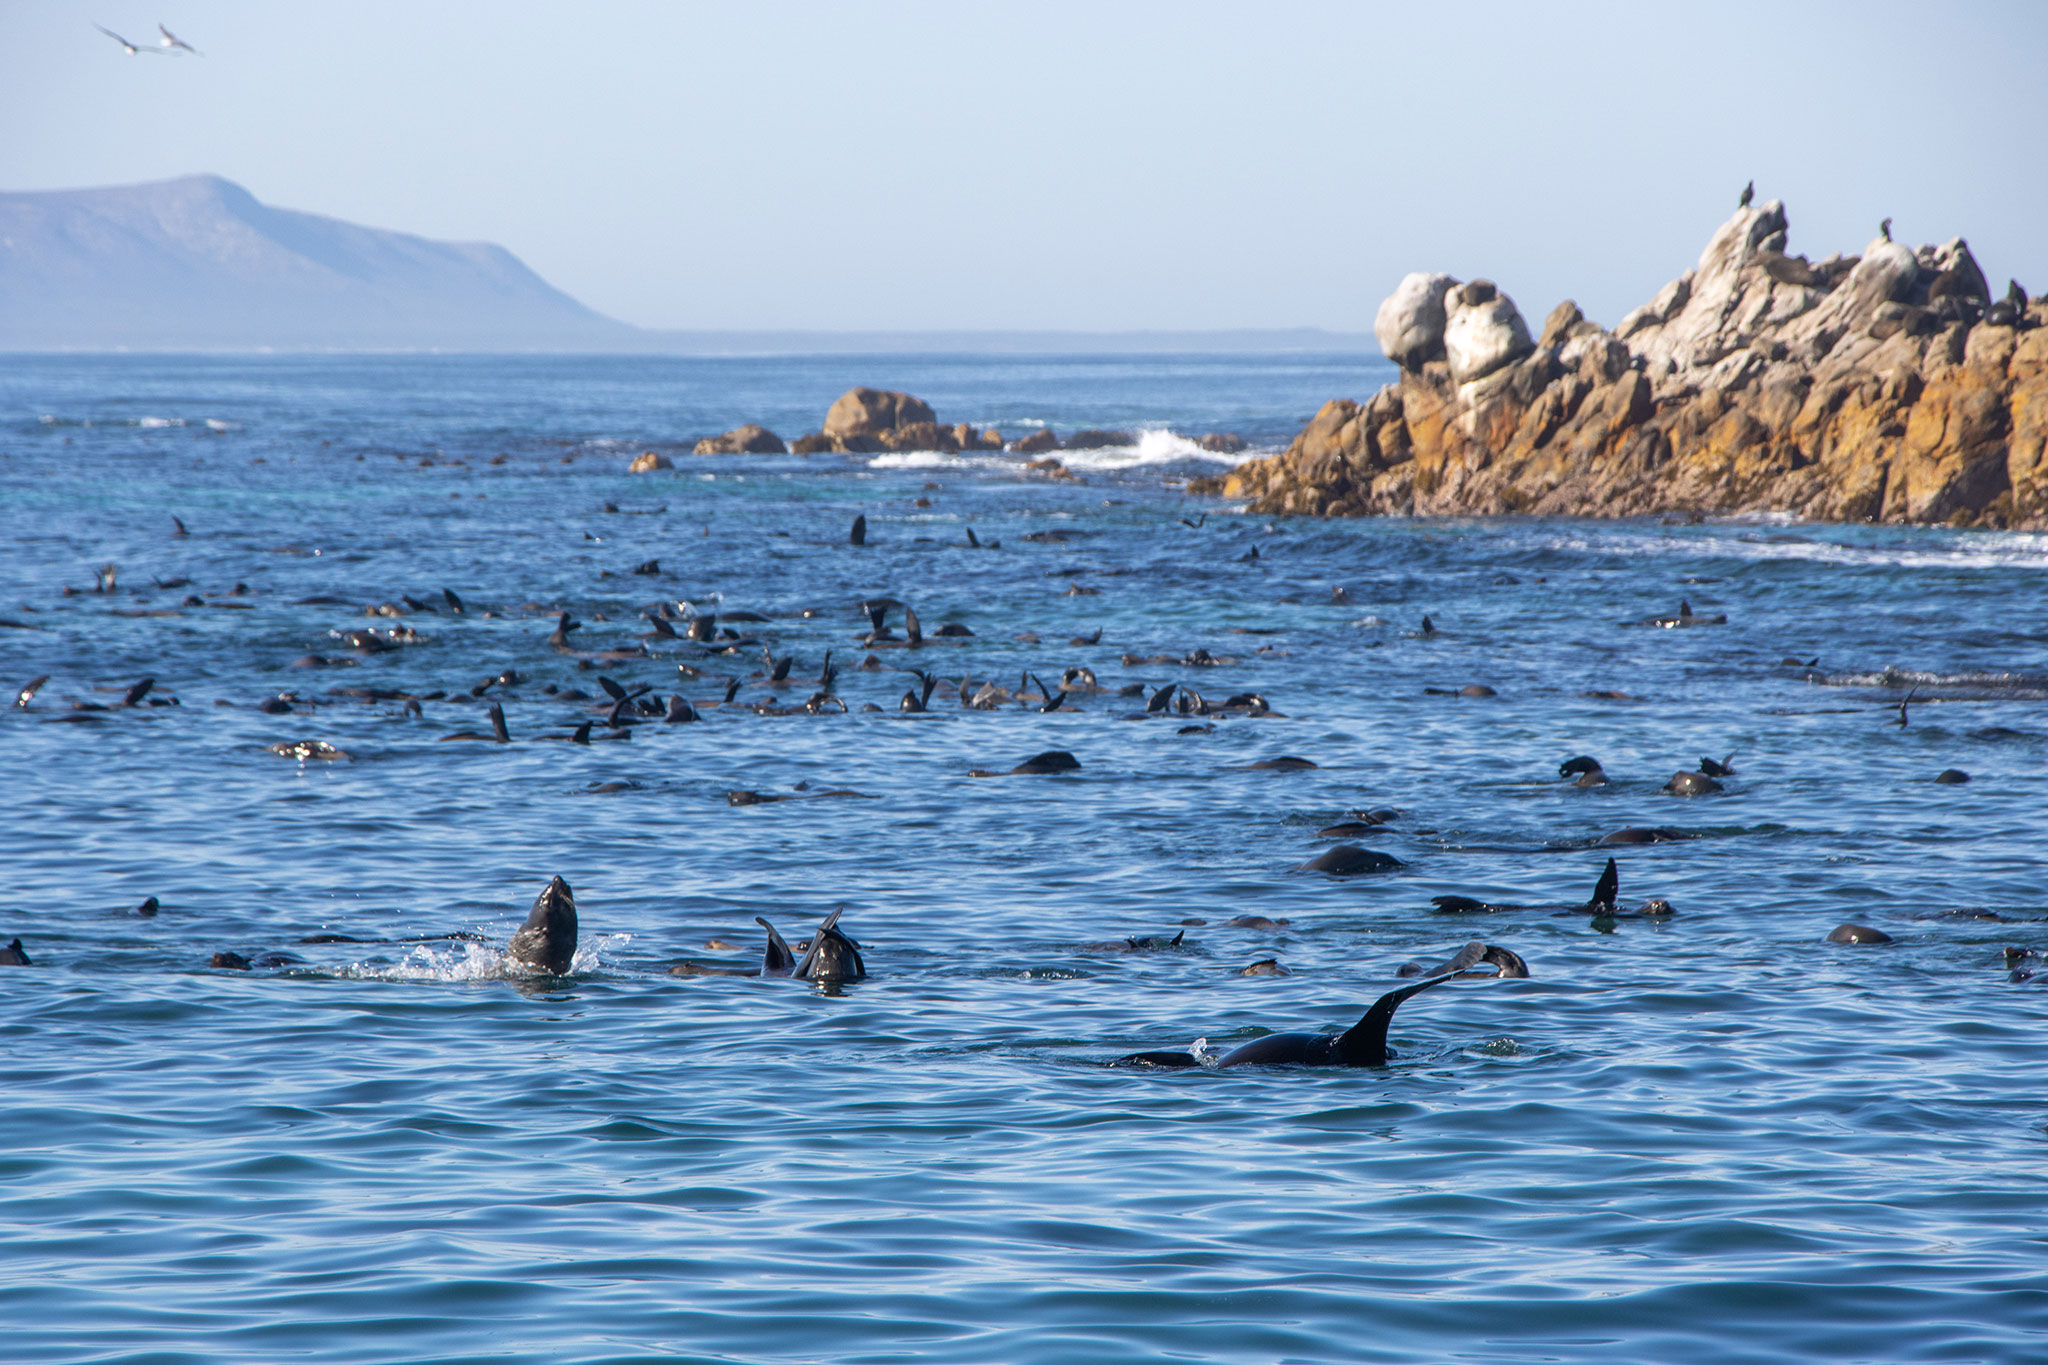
(846, 961)
(1365, 1043)
(778, 960)
(1607, 892)
(1177, 1060)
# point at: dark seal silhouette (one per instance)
(548, 938)
(1363, 1044)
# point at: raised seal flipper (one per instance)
(1607, 892)
(777, 960)
(1365, 1043)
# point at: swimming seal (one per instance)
(1857, 933)
(1692, 784)
(830, 957)
(1051, 761)
(1349, 860)
(14, 955)
(1590, 774)
(548, 938)
(1506, 962)
(1363, 1044)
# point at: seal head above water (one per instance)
(547, 940)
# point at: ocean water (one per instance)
(1709, 1137)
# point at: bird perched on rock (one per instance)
(1748, 193)
(1885, 229)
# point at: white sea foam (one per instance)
(151, 422)
(921, 459)
(1974, 550)
(1152, 446)
(474, 962)
(215, 424)
(1155, 445)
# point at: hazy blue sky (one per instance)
(1089, 165)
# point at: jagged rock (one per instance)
(1222, 443)
(870, 412)
(1482, 331)
(1410, 324)
(811, 443)
(1855, 388)
(647, 461)
(1090, 438)
(1042, 439)
(919, 436)
(747, 440)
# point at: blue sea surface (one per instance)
(1708, 1137)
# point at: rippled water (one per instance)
(1709, 1138)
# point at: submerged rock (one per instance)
(1884, 387)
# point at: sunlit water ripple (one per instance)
(1715, 1138)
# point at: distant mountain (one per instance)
(198, 264)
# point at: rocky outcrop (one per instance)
(747, 440)
(871, 412)
(648, 461)
(1036, 443)
(1887, 387)
(867, 421)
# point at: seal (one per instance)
(830, 957)
(1692, 784)
(1602, 905)
(1363, 1044)
(498, 735)
(1857, 933)
(1349, 860)
(14, 955)
(1149, 943)
(1590, 773)
(548, 938)
(1051, 761)
(1506, 962)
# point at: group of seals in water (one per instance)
(830, 956)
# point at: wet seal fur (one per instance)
(1038, 765)
(1363, 1044)
(547, 940)
(1505, 961)
(1350, 860)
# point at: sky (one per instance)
(1091, 166)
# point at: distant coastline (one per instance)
(198, 265)
(651, 342)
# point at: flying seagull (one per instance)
(126, 46)
(171, 42)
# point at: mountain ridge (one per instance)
(198, 262)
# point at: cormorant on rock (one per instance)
(1748, 193)
(2015, 295)
(1886, 229)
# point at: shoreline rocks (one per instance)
(1886, 387)
(750, 439)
